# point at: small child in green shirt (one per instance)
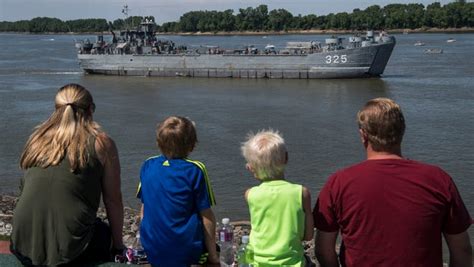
(280, 211)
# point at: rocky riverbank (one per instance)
(130, 227)
(7, 204)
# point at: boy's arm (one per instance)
(308, 217)
(247, 194)
(209, 222)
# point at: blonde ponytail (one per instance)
(66, 133)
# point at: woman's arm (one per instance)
(308, 216)
(111, 193)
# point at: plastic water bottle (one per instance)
(2, 228)
(245, 253)
(226, 232)
(137, 252)
(226, 241)
(137, 245)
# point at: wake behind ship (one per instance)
(140, 53)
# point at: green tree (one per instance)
(455, 16)
(252, 18)
(434, 16)
(44, 24)
(20, 26)
(459, 13)
(468, 14)
(342, 21)
(189, 21)
(118, 24)
(170, 27)
(395, 16)
(358, 20)
(308, 22)
(226, 20)
(133, 21)
(279, 19)
(374, 17)
(414, 15)
(242, 20)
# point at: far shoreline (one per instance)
(270, 33)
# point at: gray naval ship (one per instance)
(139, 52)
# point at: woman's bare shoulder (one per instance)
(105, 147)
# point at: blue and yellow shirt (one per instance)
(173, 192)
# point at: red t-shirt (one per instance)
(391, 212)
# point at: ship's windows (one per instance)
(131, 59)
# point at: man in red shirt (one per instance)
(390, 211)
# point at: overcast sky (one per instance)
(171, 10)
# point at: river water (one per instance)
(316, 117)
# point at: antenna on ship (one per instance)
(125, 11)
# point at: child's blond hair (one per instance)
(266, 154)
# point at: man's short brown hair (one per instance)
(176, 137)
(381, 119)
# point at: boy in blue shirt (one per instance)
(178, 225)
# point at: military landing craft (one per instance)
(139, 52)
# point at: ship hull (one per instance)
(345, 63)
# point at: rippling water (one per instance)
(316, 117)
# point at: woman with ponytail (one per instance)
(69, 164)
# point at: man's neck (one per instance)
(395, 153)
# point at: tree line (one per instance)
(45, 24)
(393, 16)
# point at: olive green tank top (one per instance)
(277, 220)
(55, 214)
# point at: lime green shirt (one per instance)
(277, 219)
